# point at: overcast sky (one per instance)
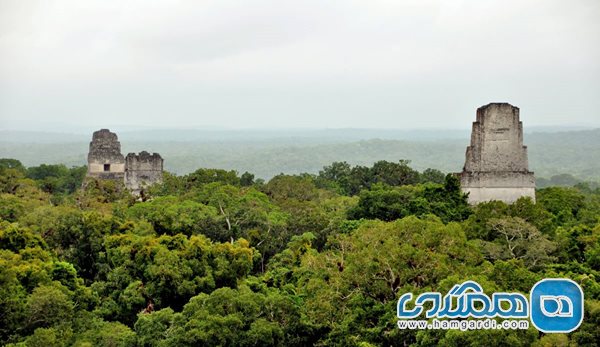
(316, 64)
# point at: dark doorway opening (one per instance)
(106, 167)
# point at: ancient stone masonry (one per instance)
(496, 165)
(105, 161)
(142, 169)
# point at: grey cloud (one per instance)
(273, 63)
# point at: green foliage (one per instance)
(36, 290)
(390, 203)
(215, 259)
(247, 179)
(225, 317)
(48, 306)
(7, 163)
(351, 180)
(433, 176)
(516, 239)
(171, 185)
(15, 238)
(99, 194)
(477, 225)
(284, 187)
(563, 203)
(76, 236)
(106, 334)
(56, 179)
(170, 215)
(11, 207)
(155, 272)
(350, 289)
(203, 176)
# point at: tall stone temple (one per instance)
(136, 171)
(496, 165)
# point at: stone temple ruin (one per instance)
(136, 171)
(496, 165)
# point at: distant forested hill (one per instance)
(267, 153)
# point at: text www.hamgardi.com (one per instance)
(464, 325)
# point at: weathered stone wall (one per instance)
(496, 164)
(105, 161)
(497, 140)
(508, 195)
(142, 170)
(104, 158)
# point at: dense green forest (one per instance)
(214, 257)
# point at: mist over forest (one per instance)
(267, 153)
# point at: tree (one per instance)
(151, 273)
(57, 178)
(152, 328)
(232, 317)
(106, 334)
(390, 203)
(432, 176)
(386, 203)
(517, 239)
(8, 163)
(169, 215)
(211, 258)
(563, 203)
(350, 290)
(394, 174)
(11, 207)
(336, 176)
(204, 176)
(48, 306)
(285, 187)
(247, 179)
(171, 185)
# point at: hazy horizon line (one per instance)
(141, 128)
